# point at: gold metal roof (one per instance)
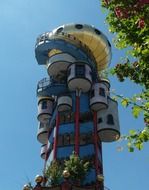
(93, 39)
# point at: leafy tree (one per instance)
(77, 167)
(128, 20)
(53, 173)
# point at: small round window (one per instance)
(59, 30)
(97, 31)
(79, 26)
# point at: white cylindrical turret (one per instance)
(57, 64)
(79, 77)
(108, 122)
(42, 134)
(64, 103)
(98, 97)
(43, 151)
(45, 109)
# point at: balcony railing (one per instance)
(70, 38)
(44, 83)
(50, 86)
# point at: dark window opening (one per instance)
(97, 31)
(110, 119)
(59, 30)
(80, 70)
(66, 139)
(92, 93)
(60, 140)
(72, 139)
(41, 125)
(102, 92)
(79, 26)
(86, 138)
(66, 118)
(83, 139)
(44, 105)
(100, 120)
(85, 117)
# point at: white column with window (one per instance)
(99, 96)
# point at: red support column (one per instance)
(56, 136)
(46, 157)
(96, 144)
(45, 163)
(77, 126)
(98, 165)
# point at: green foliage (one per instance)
(77, 168)
(53, 173)
(136, 110)
(136, 139)
(128, 20)
(125, 102)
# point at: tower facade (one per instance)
(75, 111)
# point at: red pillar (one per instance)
(77, 126)
(96, 144)
(46, 157)
(98, 149)
(56, 136)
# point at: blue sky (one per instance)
(20, 24)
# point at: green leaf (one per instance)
(139, 145)
(125, 102)
(136, 111)
(132, 132)
(131, 149)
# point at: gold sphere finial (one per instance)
(100, 177)
(66, 174)
(38, 179)
(26, 187)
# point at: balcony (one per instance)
(48, 86)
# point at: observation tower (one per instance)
(75, 111)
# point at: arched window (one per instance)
(89, 138)
(80, 70)
(41, 125)
(83, 139)
(85, 117)
(110, 119)
(99, 120)
(59, 30)
(66, 139)
(92, 93)
(79, 26)
(102, 92)
(44, 104)
(62, 118)
(72, 140)
(66, 117)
